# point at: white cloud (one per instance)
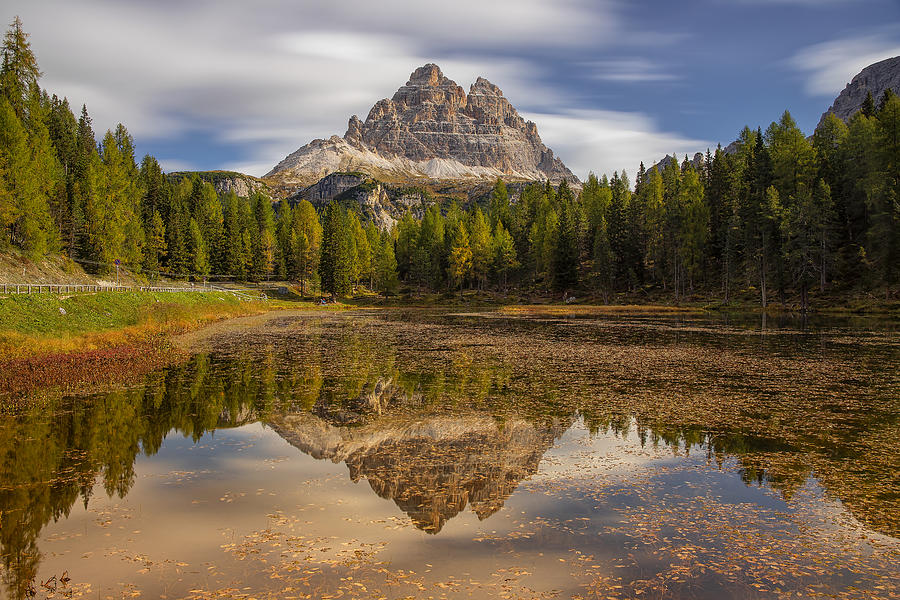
(606, 141)
(270, 76)
(829, 66)
(629, 70)
(174, 164)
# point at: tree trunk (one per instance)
(762, 280)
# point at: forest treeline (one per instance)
(782, 214)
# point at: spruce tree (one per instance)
(480, 243)
(386, 264)
(505, 259)
(868, 105)
(460, 259)
(19, 72)
(336, 266)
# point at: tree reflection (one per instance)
(435, 433)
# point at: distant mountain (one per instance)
(430, 130)
(225, 181)
(876, 78)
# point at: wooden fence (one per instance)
(75, 288)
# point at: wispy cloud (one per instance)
(605, 141)
(829, 66)
(630, 70)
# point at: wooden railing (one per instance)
(75, 288)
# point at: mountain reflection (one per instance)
(433, 437)
(431, 466)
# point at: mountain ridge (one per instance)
(430, 129)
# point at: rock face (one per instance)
(431, 130)
(226, 181)
(371, 198)
(876, 78)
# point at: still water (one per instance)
(503, 454)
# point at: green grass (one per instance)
(40, 314)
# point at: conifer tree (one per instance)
(505, 259)
(868, 105)
(604, 259)
(499, 204)
(460, 257)
(197, 250)
(694, 224)
(19, 72)
(407, 242)
(155, 249)
(336, 266)
(307, 244)
(480, 243)
(386, 264)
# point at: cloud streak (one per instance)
(244, 84)
(829, 66)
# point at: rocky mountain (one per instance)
(430, 130)
(876, 78)
(226, 181)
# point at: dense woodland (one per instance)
(781, 216)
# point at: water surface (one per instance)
(520, 454)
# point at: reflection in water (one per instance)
(441, 413)
(431, 466)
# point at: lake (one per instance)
(516, 453)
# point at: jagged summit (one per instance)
(431, 129)
(876, 78)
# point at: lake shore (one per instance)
(49, 341)
(71, 342)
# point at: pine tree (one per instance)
(155, 249)
(197, 250)
(460, 257)
(232, 239)
(362, 252)
(407, 242)
(604, 259)
(386, 264)
(336, 266)
(19, 73)
(505, 260)
(868, 105)
(499, 204)
(306, 244)
(694, 224)
(265, 225)
(480, 243)
(33, 179)
(565, 258)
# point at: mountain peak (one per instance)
(484, 87)
(429, 74)
(431, 129)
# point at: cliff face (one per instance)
(876, 78)
(226, 181)
(431, 130)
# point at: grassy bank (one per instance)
(42, 323)
(48, 340)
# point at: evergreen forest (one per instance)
(778, 216)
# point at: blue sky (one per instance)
(205, 84)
